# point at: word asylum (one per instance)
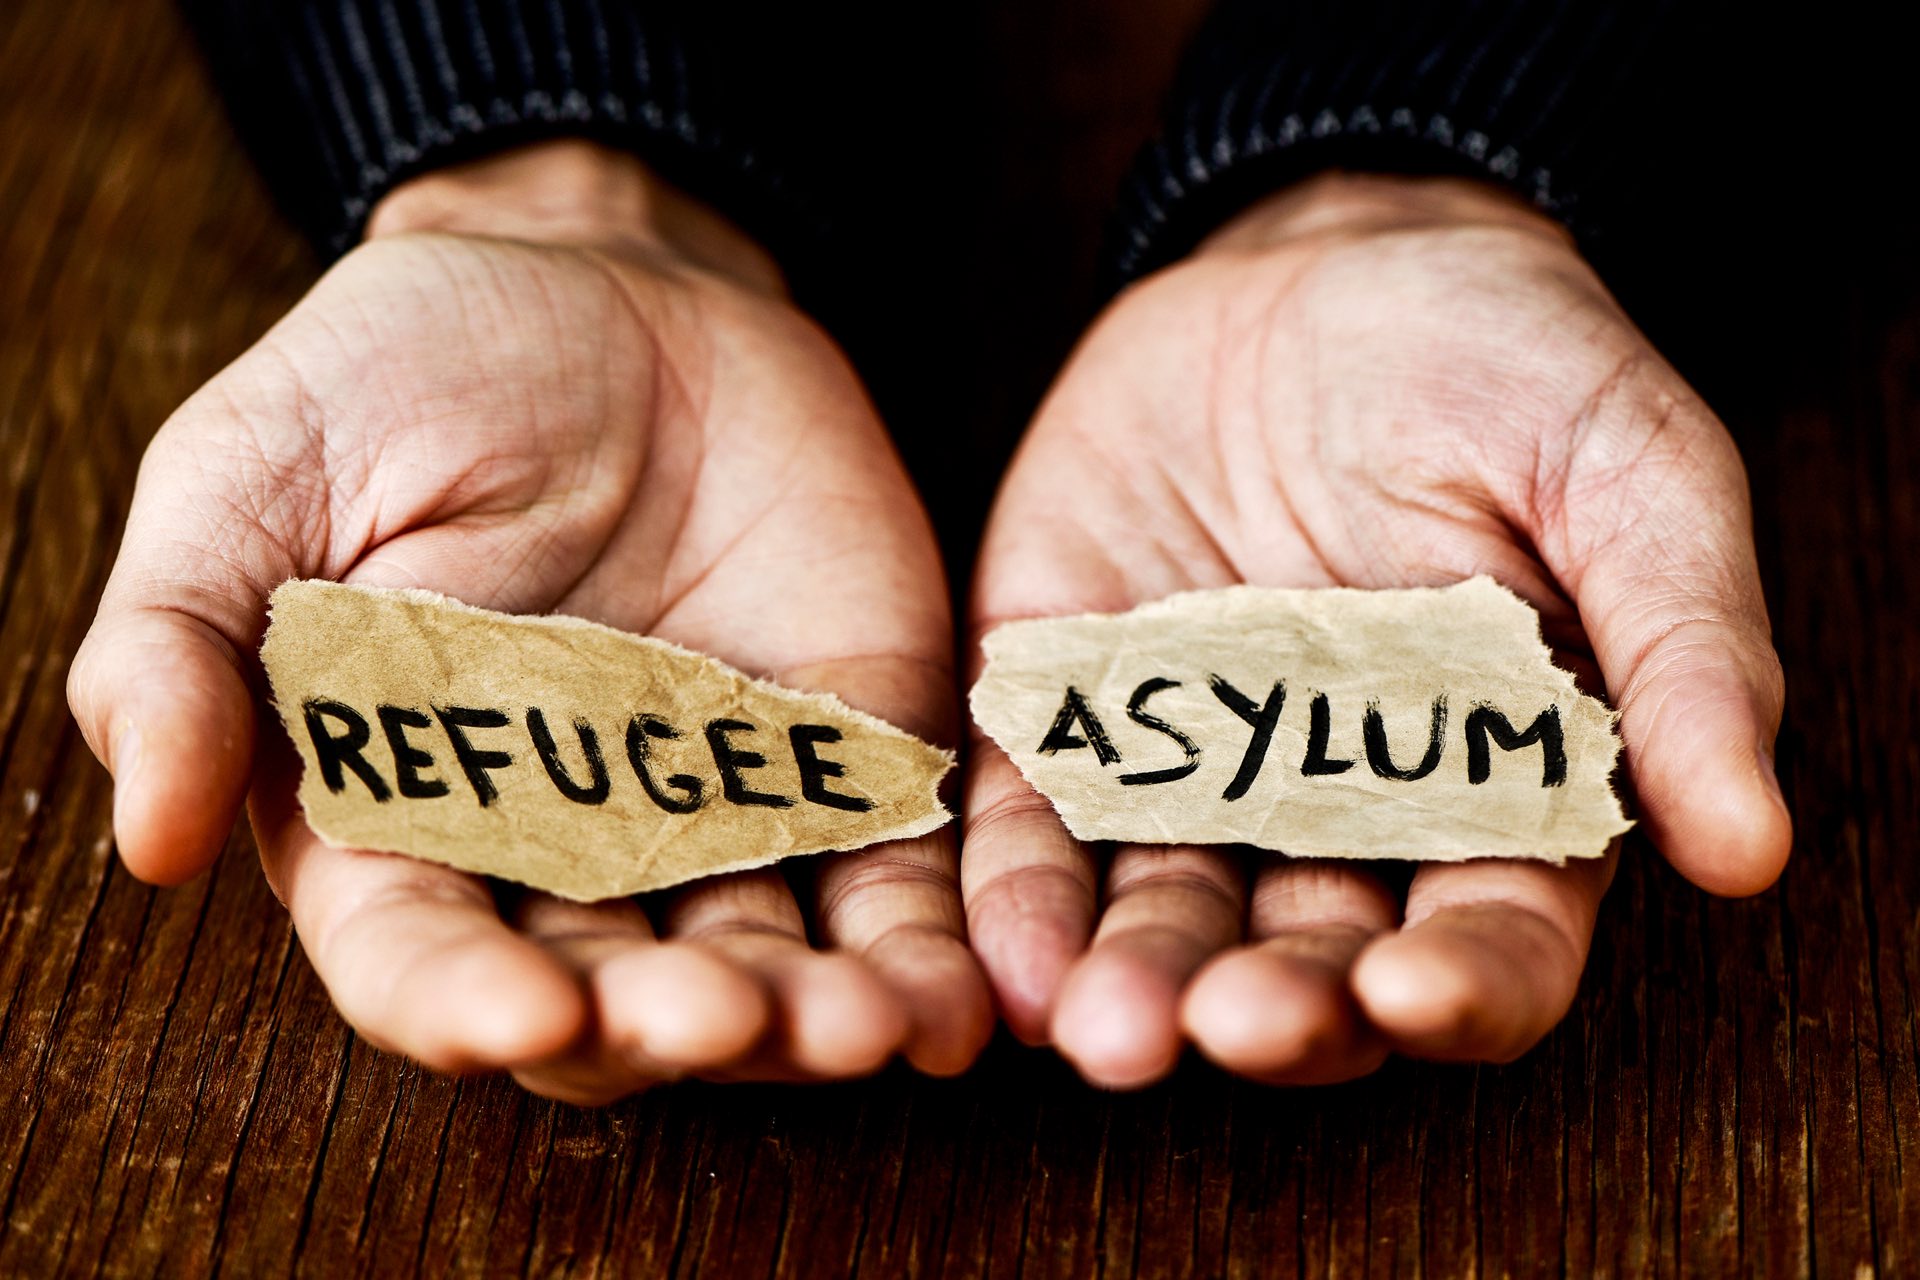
(1078, 726)
(481, 742)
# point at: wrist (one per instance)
(1341, 204)
(574, 192)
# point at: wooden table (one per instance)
(1735, 1091)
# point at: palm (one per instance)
(586, 430)
(1245, 411)
(573, 430)
(1404, 406)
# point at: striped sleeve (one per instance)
(1552, 99)
(342, 100)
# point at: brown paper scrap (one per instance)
(1419, 724)
(568, 755)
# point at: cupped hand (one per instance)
(1371, 382)
(549, 383)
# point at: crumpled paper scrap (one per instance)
(567, 755)
(1426, 724)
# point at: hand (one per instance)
(547, 382)
(1371, 382)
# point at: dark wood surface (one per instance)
(1735, 1092)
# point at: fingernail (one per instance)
(126, 753)
(1769, 776)
(126, 760)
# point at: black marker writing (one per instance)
(1374, 731)
(1484, 722)
(1319, 728)
(345, 749)
(692, 792)
(1138, 713)
(1061, 737)
(815, 771)
(1262, 717)
(731, 761)
(409, 760)
(598, 783)
(475, 761)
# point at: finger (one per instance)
(414, 955)
(1657, 547)
(831, 1016)
(160, 696)
(661, 1011)
(1169, 910)
(1281, 1009)
(1488, 960)
(1029, 887)
(600, 1066)
(159, 686)
(897, 905)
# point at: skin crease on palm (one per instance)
(1371, 382)
(547, 382)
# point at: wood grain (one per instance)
(1733, 1093)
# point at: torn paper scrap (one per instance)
(567, 755)
(1420, 724)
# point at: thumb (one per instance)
(160, 685)
(1658, 550)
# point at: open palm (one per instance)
(584, 423)
(1371, 383)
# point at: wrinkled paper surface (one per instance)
(1138, 726)
(452, 676)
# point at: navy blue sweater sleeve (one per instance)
(1573, 104)
(1550, 98)
(341, 100)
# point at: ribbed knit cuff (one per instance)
(343, 100)
(1537, 97)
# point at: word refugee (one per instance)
(1077, 726)
(341, 736)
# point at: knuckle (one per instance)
(1014, 807)
(1041, 891)
(1321, 895)
(1141, 939)
(1215, 886)
(855, 880)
